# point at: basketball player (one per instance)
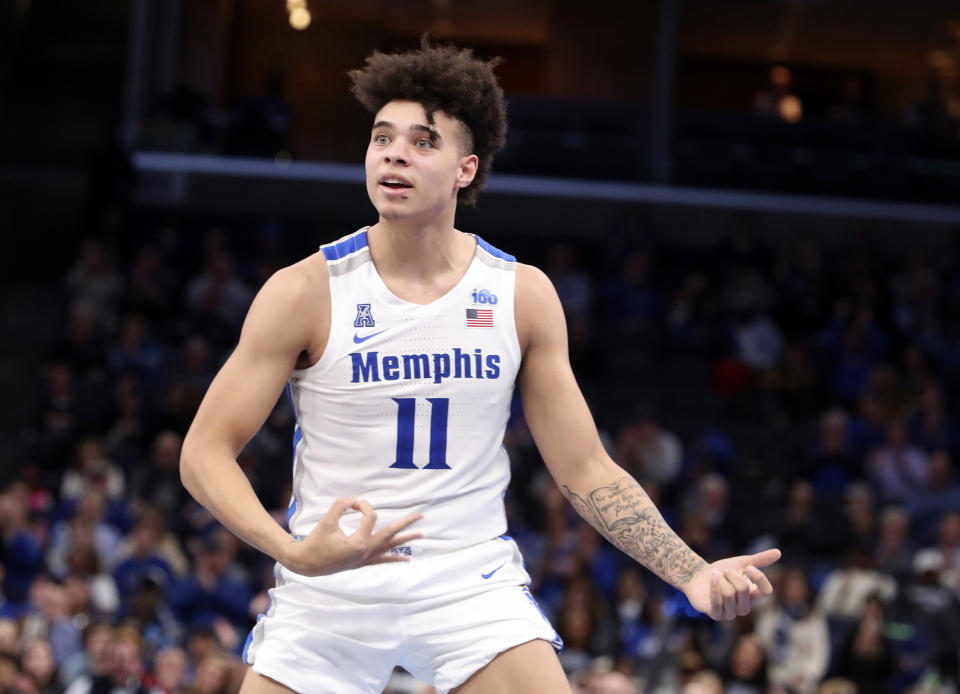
(400, 346)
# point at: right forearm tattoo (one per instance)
(626, 516)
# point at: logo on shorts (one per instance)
(402, 550)
(486, 576)
(364, 317)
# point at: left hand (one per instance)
(728, 588)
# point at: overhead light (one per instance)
(300, 18)
(299, 15)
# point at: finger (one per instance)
(385, 536)
(339, 507)
(369, 519)
(741, 595)
(729, 598)
(404, 539)
(764, 587)
(765, 558)
(716, 597)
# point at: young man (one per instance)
(399, 346)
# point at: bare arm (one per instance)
(281, 325)
(599, 489)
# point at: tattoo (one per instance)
(626, 516)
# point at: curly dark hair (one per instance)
(442, 78)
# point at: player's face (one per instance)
(415, 169)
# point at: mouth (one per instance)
(394, 182)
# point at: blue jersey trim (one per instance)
(246, 646)
(495, 252)
(297, 437)
(344, 248)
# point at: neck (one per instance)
(413, 248)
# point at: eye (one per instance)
(381, 139)
(424, 143)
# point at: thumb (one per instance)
(764, 558)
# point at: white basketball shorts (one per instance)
(442, 617)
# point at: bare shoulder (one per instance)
(539, 314)
(293, 307)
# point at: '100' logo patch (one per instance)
(484, 296)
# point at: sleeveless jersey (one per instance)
(408, 405)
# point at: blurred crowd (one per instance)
(792, 393)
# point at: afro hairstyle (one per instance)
(447, 79)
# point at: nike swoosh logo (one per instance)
(483, 575)
(357, 339)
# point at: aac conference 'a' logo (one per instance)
(484, 296)
(364, 317)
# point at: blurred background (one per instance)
(756, 202)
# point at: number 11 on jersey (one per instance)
(438, 433)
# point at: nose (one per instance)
(396, 153)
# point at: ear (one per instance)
(467, 170)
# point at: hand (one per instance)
(728, 588)
(327, 549)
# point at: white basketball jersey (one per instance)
(408, 404)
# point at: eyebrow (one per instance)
(416, 127)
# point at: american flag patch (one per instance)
(479, 318)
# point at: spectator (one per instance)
(124, 673)
(9, 673)
(91, 469)
(83, 346)
(941, 496)
(759, 341)
(801, 529)
(39, 667)
(218, 298)
(946, 553)
(152, 285)
(848, 588)
(21, 554)
(94, 659)
(929, 428)
(9, 637)
(87, 527)
(216, 589)
(894, 548)
(651, 453)
(898, 470)
(867, 657)
(794, 636)
(933, 611)
(747, 668)
(93, 282)
(213, 676)
(144, 557)
(833, 462)
(611, 683)
(158, 483)
(83, 564)
(138, 353)
(169, 671)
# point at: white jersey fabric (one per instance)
(408, 405)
